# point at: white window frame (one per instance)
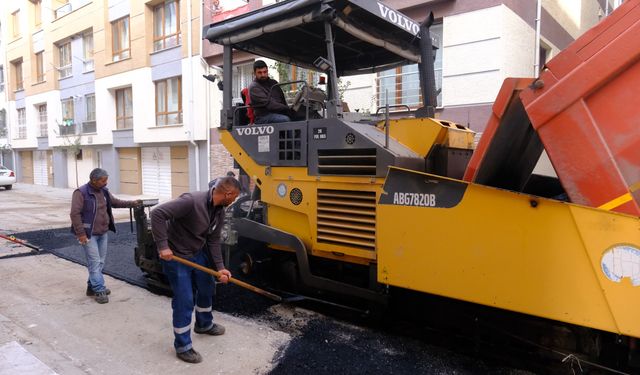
(22, 123)
(42, 120)
(87, 51)
(65, 60)
(89, 125)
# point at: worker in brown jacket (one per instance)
(91, 219)
(189, 226)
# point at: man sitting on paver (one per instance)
(189, 226)
(91, 219)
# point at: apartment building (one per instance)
(6, 155)
(480, 43)
(115, 84)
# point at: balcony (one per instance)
(70, 7)
(88, 127)
(63, 10)
(67, 129)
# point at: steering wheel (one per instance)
(297, 101)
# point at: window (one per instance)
(17, 67)
(169, 102)
(68, 126)
(64, 51)
(166, 25)
(42, 120)
(89, 126)
(37, 13)
(121, 49)
(22, 124)
(124, 109)
(87, 51)
(401, 86)
(15, 22)
(3, 123)
(40, 66)
(242, 77)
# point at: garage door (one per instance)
(156, 171)
(26, 167)
(40, 172)
(50, 167)
(130, 171)
(179, 170)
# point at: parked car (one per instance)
(7, 177)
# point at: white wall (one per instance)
(52, 100)
(361, 93)
(471, 57)
(85, 166)
(195, 117)
(144, 117)
(30, 141)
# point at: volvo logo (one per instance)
(255, 130)
(399, 19)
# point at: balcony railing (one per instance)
(88, 127)
(63, 10)
(67, 129)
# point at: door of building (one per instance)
(130, 171)
(40, 170)
(26, 167)
(156, 171)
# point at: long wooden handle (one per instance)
(231, 279)
(13, 239)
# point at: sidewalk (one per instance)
(48, 325)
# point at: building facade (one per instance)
(115, 84)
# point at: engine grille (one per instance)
(347, 218)
(358, 162)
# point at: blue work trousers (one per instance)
(96, 252)
(272, 118)
(190, 285)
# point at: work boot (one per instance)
(91, 293)
(190, 356)
(216, 330)
(101, 297)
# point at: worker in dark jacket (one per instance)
(189, 226)
(91, 219)
(267, 100)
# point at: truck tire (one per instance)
(8, 187)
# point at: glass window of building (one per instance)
(124, 108)
(42, 120)
(40, 66)
(64, 54)
(166, 25)
(169, 101)
(87, 51)
(121, 40)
